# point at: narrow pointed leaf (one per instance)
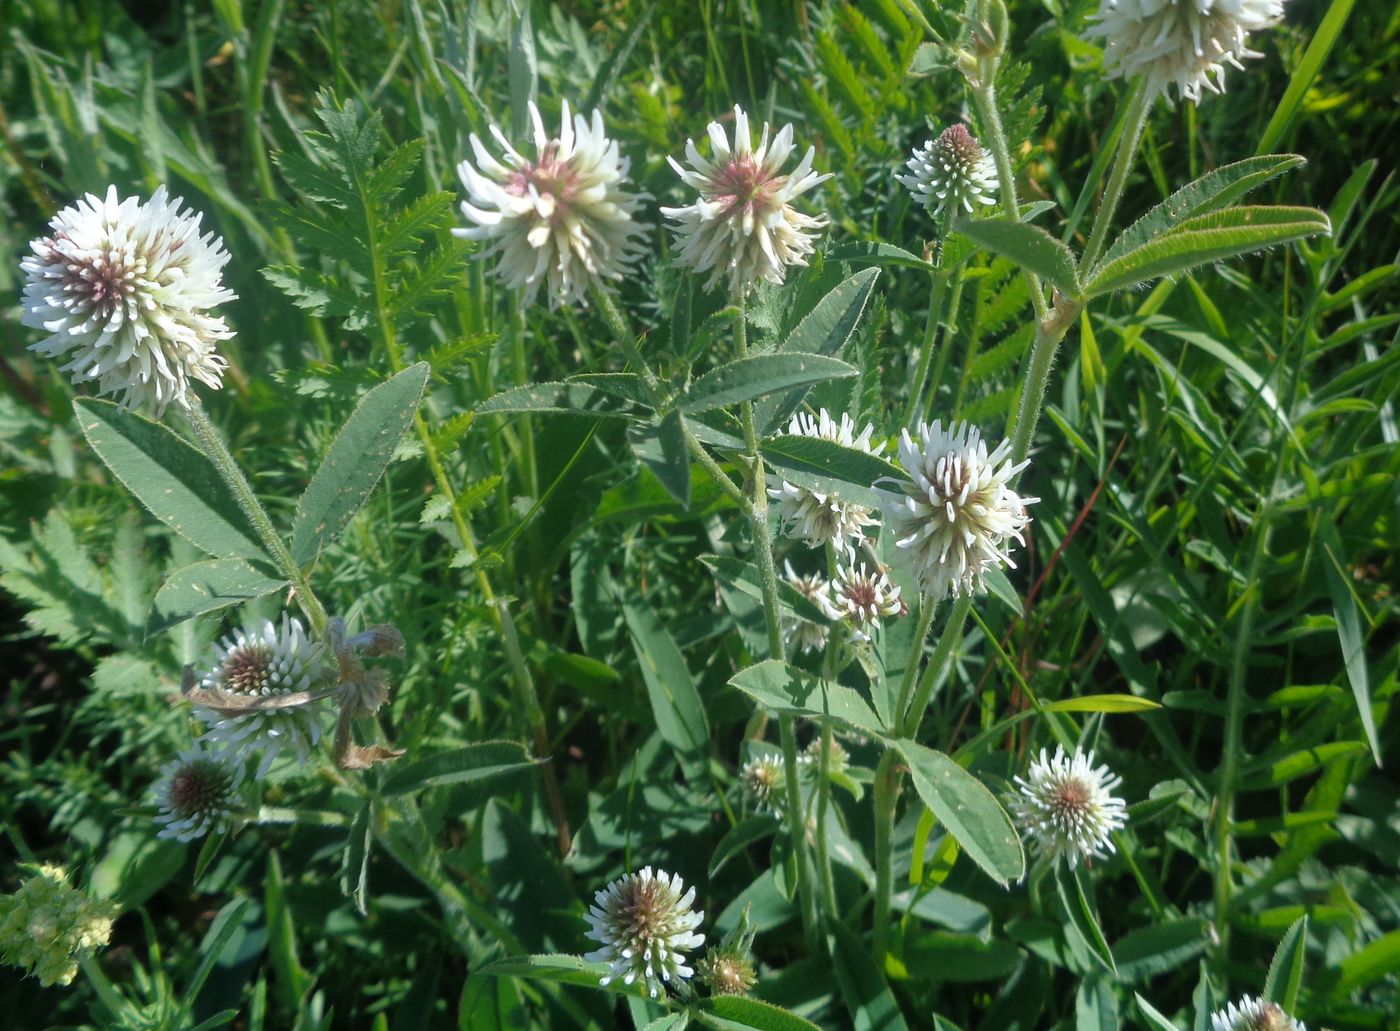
(831, 468)
(573, 398)
(1349, 627)
(356, 460)
(660, 446)
(1215, 189)
(969, 811)
(1286, 968)
(1204, 239)
(749, 378)
(1030, 247)
(207, 587)
(171, 477)
(825, 330)
(781, 688)
(1081, 913)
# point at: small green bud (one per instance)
(46, 925)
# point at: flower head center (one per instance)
(1070, 799)
(195, 787)
(550, 176)
(741, 182)
(247, 669)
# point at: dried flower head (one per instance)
(645, 925)
(126, 287)
(1251, 1014)
(951, 171)
(764, 785)
(197, 793)
(863, 597)
(47, 925)
(800, 634)
(816, 516)
(1180, 42)
(954, 518)
(263, 667)
(563, 218)
(1067, 808)
(743, 226)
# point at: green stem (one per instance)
(927, 608)
(944, 347)
(985, 99)
(828, 881)
(1048, 334)
(916, 386)
(1139, 103)
(768, 575)
(885, 797)
(1234, 733)
(918, 705)
(229, 471)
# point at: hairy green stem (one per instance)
(232, 475)
(1139, 102)
(828, 881)
(984, 97)
(1048, 334)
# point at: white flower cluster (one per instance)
(645, 926)
(1251, 1014)
(955, 516)
(126, 288)
(562, 218)
(1067, 808)
(820, 517)
(951, 172)
(743, 226)
(1181, 43)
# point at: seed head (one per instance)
(1251, 1014)
(1180, 43)
(197, 793)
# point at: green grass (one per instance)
(1217, 530)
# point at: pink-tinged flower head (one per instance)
(743, 226)
(126, 288)
(951, 172)
(562, 219)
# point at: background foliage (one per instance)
(1217, 471)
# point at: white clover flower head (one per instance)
(197, 793)
(816, 517)
(1180, 42)
(259, 663)
(645, 925)
(126, 287)
(1067, 808)
(954, 518)
(562, 219)
(951, 171)
(743, 226)
(1251, 1014)
(800, 634)
(764, 784)
(863, 597)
